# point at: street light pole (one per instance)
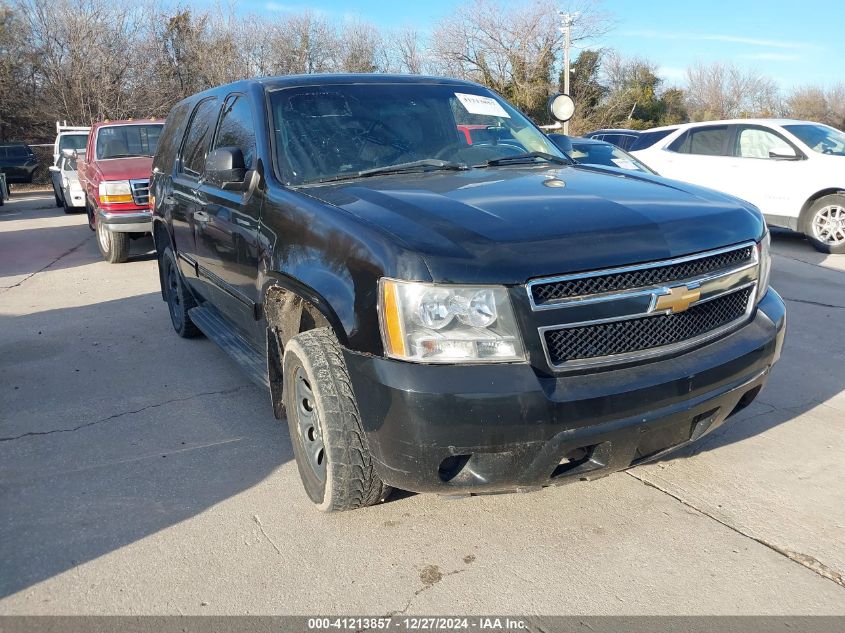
(568, 20)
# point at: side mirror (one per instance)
(225, 168)
(561, 107)
(69, 153)
(783, 152)
(562, 141)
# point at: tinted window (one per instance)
(171, 136)
(17, 151)
(647, 139)
(237, 129)
(704, 141)
(124, 141)
(199, 136)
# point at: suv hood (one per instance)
(509, 224)
(138, 167)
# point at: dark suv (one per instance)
(446, 317)
(18, 162)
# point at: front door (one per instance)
(227, 236)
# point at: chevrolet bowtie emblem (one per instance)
(679, 299)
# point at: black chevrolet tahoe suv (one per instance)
(448, 317)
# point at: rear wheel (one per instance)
(92, 224)
(325, 427)
(824, 224)
(179, 300)
(114, 247)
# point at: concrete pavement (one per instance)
(141, 473)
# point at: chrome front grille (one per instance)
(609, 316)
(140, 191)
(547, 293)
(646, 333)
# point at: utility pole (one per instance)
(568, 19)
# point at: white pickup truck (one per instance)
(70, 137)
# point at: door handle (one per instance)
(202, 216)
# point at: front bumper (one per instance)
(126, 221)
(489, 428)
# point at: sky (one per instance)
(795, 42)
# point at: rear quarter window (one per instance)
(171, 137)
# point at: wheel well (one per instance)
(287, 314)
(819, 194)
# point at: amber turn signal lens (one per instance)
(115, 199)
(394, 337)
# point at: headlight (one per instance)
(434, 323)
(115, 191)
(765, 259)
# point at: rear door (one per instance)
(188, 198)
(227, 227)
(699, 156)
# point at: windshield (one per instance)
(820, 138)
(605, 154)
(328, 132)
(123, 141)
(73, 141)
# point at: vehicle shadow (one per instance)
(110, 434)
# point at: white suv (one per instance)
(794, 171)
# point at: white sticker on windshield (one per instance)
(624, 163)
(487, 106)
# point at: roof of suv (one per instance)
(764, 121)
(356, 78)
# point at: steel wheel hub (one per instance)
(308, 423)
(103, 235)
(829, 224)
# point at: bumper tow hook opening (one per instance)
(452, 466)
(572, 460)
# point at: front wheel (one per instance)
(325, 427)
(114, 247)
(824, 224)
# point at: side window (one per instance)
(198, 138)
(704, 141)
(237, 128)
(755, 142)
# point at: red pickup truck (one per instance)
(115, 174)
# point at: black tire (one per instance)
(91, 221)
(67, 209)
(179, 299)
(114, 247)
(818, 215)
(325, 427)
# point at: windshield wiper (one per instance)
(427, 164)
(528, 156)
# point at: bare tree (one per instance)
(404, 52)
(818, 104)
(722, 91)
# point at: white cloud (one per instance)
(672, 74)
(774, 57)
(715, 37)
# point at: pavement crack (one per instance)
(123, 413)
(260, 525)
(805, 560)
(814, 303)
(40, 270)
